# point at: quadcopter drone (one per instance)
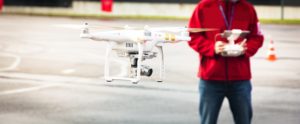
(138, 45)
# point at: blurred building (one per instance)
(68, 3)
(268, 9)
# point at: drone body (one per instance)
(138, 45)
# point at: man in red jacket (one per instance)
(223, 76)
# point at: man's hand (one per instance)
(219, 47)
(243, 45)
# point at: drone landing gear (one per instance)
(162, 68)
(136, 68)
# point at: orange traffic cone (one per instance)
(271, 52)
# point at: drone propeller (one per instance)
(196, 30)
(126, 27)
(146, 27)
(183, 29)
(72, 26)
(80, 26)
(75, 26)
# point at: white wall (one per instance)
(136, 9)
(146, 9)
(274, 12)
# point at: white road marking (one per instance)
(14, 64)
(65, 81)
(23, 90)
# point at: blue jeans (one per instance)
(212, 94)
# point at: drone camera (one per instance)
(146, 71)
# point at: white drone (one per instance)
(138, 45)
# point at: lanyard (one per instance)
(228, 24)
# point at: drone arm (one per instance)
(108, 37)
(171, 38)
(106, 65)
(162, 66)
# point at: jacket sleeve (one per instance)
(198, 41)
(255, 38)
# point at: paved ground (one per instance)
(49, 75)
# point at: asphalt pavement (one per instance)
(48, 75)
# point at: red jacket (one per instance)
(208, 15)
